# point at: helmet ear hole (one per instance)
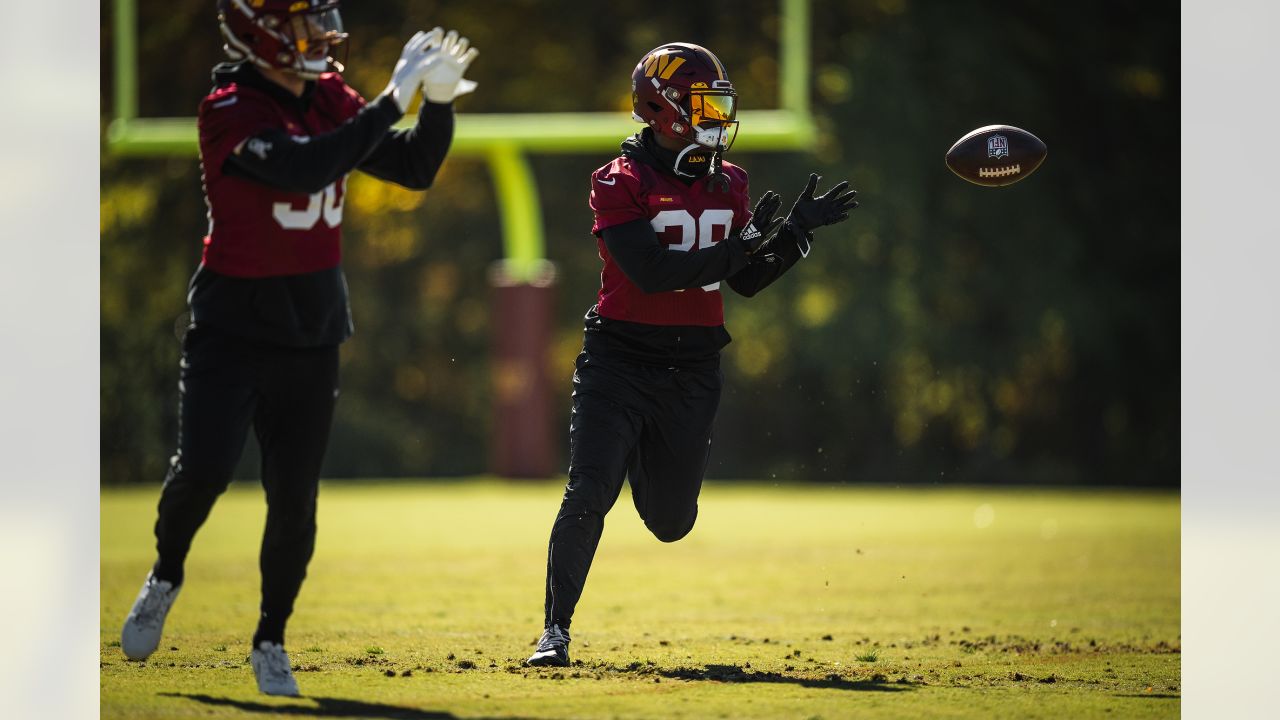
(655, 106)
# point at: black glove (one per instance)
(810, 213)
(763, 223)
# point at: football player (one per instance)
(672, 222)
(279, 133)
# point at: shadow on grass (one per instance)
(735, 674)
(323, 707)
(1153, 696)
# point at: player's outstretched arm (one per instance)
(302, 163)
(810, 213)
(412, 157)
(795, 237)
(654, 267)
(767, 265)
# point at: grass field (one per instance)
(785, 602)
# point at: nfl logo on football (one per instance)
(997, 146)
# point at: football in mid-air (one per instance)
(996, 155)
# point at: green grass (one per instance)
(423, 600)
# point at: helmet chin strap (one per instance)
(713, 166)
(680, 162)
(718, 182)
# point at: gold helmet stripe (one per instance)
(671, 65)
(662, 65)
(720, 73)
(719, 68)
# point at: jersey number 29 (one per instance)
(700, 231)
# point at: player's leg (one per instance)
(601, 434)
(216, 400)
(603, 427)
(292, 425)
(671, 457)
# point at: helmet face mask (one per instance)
(294, 36)
(314, 35)
(682, 92)
(713, 116)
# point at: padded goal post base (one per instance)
(524, 443)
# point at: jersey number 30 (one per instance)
(701, 231)
(327, 204)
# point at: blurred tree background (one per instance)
(946, 333)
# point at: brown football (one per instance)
(996, 155)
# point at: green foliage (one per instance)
(946, 333)
(1071, 597)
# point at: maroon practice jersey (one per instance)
(685, 217)
(255, 230)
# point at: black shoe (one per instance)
(553, 649)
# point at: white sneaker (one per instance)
(271, 667)
(553, 648)
(141, 633)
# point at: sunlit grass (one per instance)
(426, 598)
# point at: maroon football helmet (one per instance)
(296, 36)
(682, 91)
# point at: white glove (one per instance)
(443, 80)
(419, 55)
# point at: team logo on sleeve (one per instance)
(258, 147)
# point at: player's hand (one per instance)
(444, 81)
(420, 54)
(763, 223)
(810, 213)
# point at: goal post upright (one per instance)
(793, 68)
(126, 60)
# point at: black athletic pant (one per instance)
(288, 395)
(650, 424)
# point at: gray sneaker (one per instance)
(271, 668)
(141, 633)
(553, 648)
